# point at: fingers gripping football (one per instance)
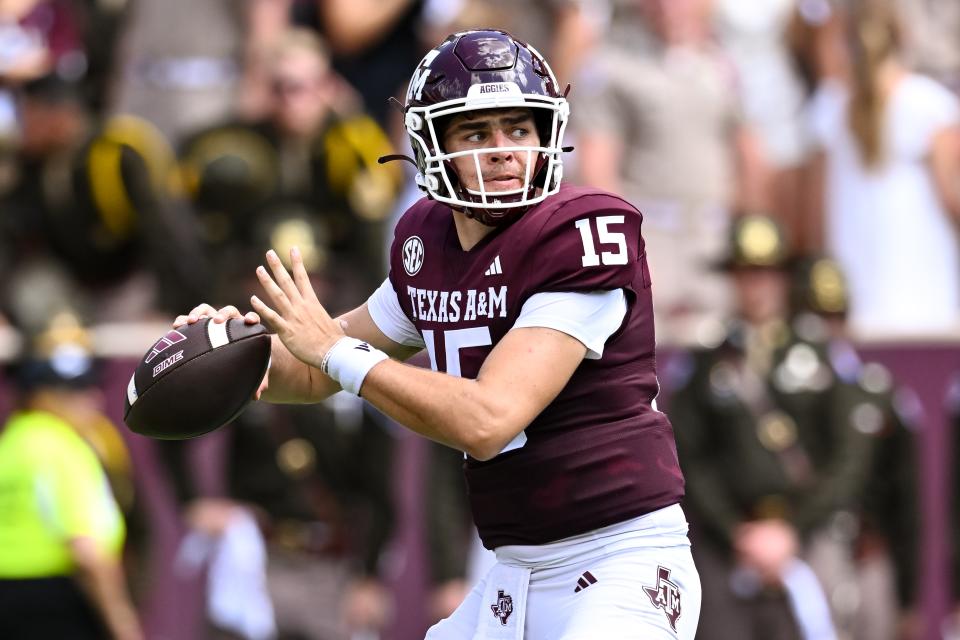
(219, 315)
(294, 311)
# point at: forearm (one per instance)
(453, 411)
(101, 579)
(353, 25)
(945, 164)
(519, 377)
(291, 381)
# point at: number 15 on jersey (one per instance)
(606, 238)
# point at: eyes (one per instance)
(519, 133)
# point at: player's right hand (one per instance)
(219, 315)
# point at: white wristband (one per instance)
(349, 361)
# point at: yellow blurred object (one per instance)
(297, 232)
(759, 242)
(63, 329)
(104, 438)
(109, 193)
(829, 290)
(353, 148)
(144, 138)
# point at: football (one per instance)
(196, 378)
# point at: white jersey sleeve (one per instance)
(590, 317)
(385, 310)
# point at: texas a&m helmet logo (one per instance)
(412, 255)
(164, 343)
(665, 595)
(503, 607)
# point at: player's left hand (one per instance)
(301, 322)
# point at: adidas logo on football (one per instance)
(585, 581)
(494, 269)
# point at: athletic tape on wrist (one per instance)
(349, 361)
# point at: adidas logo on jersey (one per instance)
(585, 581)
(494, 269)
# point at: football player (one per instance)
(533, 303)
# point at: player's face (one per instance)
(492, 129)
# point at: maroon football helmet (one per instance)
(487, 69)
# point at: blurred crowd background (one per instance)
(797, 163)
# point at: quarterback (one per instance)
(533, 302)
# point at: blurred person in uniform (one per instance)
(62, 531)
(666, 129)
(450, 532)
(322, 499)
(86, 216)
(316, 479)
(307, 173)
(776, 459)
(888, 528)
(890, 141)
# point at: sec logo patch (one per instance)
(412, 255)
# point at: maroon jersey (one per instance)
(599, 453)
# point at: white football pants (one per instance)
(632, 580)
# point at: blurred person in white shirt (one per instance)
(891, 144)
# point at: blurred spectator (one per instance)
(180, 63)
(933, 39)
(449, 531)
(888, 530)
(306, 174)
(665, 128)
(816, 52)
(776, 459)
(772, 91)
(37, 37)
(62, 532)
(565, 31)
(374, 44)
(86, 222)
(892, 150)
(317, 479)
